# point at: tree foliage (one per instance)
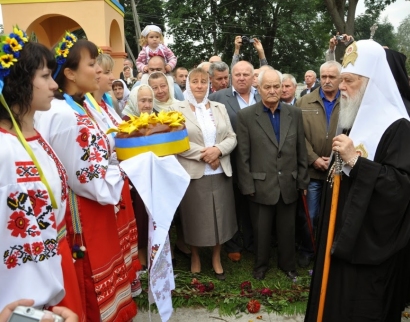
(384, 34)
(343, 12)
(149, 12)
(403, 40)
(293, 38)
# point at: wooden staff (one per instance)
(330, 234)
(305, 206)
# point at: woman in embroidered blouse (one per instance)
(207, 209)
(100, 105)
(37, 261)
(100, 102)
(96, 182)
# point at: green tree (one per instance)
(403, 40)
(343, 12)
(293, 37)
(149, 12)
(384, 34)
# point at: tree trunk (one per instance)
(336, 9)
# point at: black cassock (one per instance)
(369, 270)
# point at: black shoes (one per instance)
(291, 274)
(220, 276)
(259, 275)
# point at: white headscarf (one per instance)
(150, 28)
(131, 108)
(382, 104)
(162, 106)
(189, 96)
(131, 79)
(123, 101)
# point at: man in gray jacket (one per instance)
(272, 168)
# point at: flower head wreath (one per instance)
(10, 47)
(63, 49)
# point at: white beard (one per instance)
(349, 107)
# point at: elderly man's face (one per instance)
(350, 85)
(310, 78)
(242, 77)
(288, 91)
(156, 65)
(220, 80)
(270, 89)
(329, 79)
(352, 88)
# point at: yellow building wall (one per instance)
(101, 20)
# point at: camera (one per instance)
(30, 314)
(339, 38)
(247, 40)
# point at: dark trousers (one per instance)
(303, 234)
(263, 217)
(243, 238)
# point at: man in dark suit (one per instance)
(235, 98)
(310, 81)
(272, 168)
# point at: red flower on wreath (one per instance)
(37, 248)
(38, 200)
(82, 139)
(18, 224)
(11, 261)
(253, 306)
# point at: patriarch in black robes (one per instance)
(368, 272)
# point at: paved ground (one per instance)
(202, 315)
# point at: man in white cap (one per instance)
(367, 276)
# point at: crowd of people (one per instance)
(264, 166)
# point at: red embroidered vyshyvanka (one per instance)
(97, 205)
(37, 262)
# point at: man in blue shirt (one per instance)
(320, 110)
(272, 169)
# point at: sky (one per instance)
(396, 12)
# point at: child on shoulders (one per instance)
(152, 42)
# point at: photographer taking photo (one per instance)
(240, 40)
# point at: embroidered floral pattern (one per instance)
(94, 145)
(27, 172)
(60, 168)
(35, 252)
(18, 224)
(154, 250)
(31, 213)
(82, 139)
